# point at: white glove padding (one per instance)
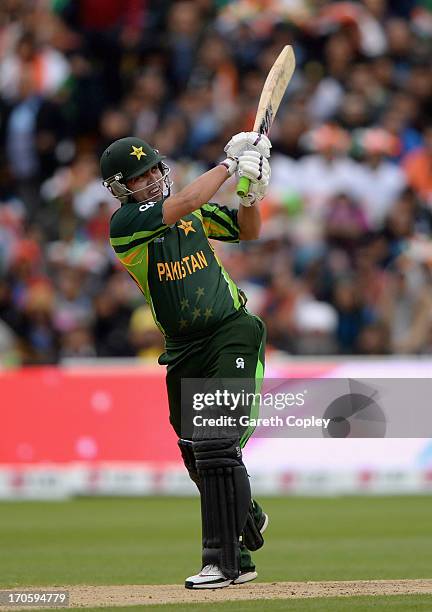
(255, 194)
(230, 164)
(248, 140)
(255, 167)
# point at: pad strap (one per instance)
(188, 457)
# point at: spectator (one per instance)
(328, 170)
(418, 166)
(77, 343)
(39, 340)
(111, 324)
(146, 339)
(45, 67)
(345, 223)
(378, 182)
(407, 307)
(374, 339)
(351, 314)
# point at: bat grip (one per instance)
(243, 187)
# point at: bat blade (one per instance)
(274, 88)
(271, 96)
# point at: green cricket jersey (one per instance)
(175, 266)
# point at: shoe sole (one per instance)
(207, 585)
(246, 577)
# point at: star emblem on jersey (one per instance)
(195, 314)
(199, 293)
(183, 323)
(207, 314)
(186, 226)
(138, 152)
(184, 303)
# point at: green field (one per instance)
(156, 541)
(405, 603)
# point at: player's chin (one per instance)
(155, 192)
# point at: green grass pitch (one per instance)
(156, 541)
(403, 603)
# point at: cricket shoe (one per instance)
(210, 577)
(247, 566)
(246, 575)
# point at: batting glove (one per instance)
(257, 169)
(230, 164)
(248, 140)
(255, 194)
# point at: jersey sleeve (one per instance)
(132, 227)
(220, 222)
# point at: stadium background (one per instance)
(341, 275)
(343, 266)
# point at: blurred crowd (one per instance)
(344, 265)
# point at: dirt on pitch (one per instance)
(128, 595)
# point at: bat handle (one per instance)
(243, 186)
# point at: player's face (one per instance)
(147, 185)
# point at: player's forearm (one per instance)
(249, 220)
(194, 195)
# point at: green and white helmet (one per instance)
(128, 158)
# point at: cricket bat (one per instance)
(274, 88)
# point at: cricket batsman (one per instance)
(162, 239)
